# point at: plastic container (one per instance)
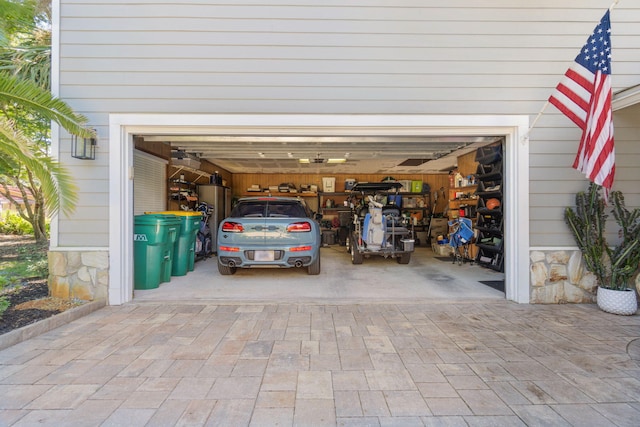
(154, 239)
(329, 184)
(184, 251)
(348, 184)
(407, 244)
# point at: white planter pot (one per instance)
(618, 302)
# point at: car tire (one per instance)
(314, 268)
(225, 270)
(404, 258)
(356, 256)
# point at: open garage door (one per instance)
(509, 128)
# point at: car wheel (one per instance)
(314, 268)
(356, 256)
(225, 270)
(404, 258)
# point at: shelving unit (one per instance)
(182, 186)
(182, 193)
(490, 221)
(419, 207)
(463, 202)
(463, 198)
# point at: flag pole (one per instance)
(614, 4)
(544, 107)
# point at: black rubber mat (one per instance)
(495, 284)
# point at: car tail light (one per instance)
(229, 249)
(300, 248)
(298, 227)
(232, 227)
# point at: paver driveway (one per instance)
(455, 364)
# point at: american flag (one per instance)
(584, 96)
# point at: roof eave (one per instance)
(626, 98)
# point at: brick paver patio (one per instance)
(450, 364)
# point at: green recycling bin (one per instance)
(154, 240)
(184, 252)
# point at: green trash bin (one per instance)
(184, 252)
(154, 240)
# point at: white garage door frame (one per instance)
(122, 128)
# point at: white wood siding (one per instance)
(346, 56)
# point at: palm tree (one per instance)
(25, 99)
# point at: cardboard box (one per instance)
(442, 250)
(439, 226)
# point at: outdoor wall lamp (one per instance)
(83, 148)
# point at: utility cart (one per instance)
(377, 226)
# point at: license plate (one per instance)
(264, 256)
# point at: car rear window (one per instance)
(273, 209)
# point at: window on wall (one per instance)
(149, 183)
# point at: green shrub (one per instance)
(12, 223)
(4, 304)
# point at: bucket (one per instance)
(407, 244)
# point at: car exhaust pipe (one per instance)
(231, 263)
(298, 263)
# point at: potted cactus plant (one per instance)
(613, 266)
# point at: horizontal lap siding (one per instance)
(368, 57)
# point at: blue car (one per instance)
(269, 232)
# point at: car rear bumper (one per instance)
(282, 258)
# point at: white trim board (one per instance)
(122, 127)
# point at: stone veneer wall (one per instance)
(560, 277)
(79, 275)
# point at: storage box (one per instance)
(328, 237)
(348, 184)
(329, 184)
(188, 162)
(406, 185)
(442, 250)
(408, 202)
(407, 244)
(439, 226)
(416, 186)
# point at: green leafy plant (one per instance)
(13, 223)
(614, 267)
(4, 305)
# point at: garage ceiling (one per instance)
(361, 154)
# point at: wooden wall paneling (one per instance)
(241, 182)
(467, 164)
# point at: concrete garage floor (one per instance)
(424, 279)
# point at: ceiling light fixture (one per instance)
(319, 159)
